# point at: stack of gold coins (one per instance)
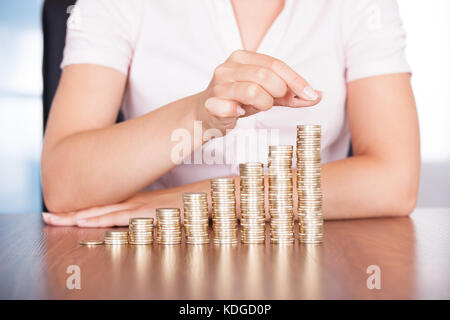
(141, 231)
(196, 217)
(309, 183)
(224, 210)
(168, 226)
(281, 203)
(252, 202)
(116, 237)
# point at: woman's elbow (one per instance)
(56, 189)
(405, 195)
(407, 204)
(54, 198)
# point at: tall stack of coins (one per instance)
(115, 237)
(168, 226)
(196, 217)
(224, 210)
(141, 231)
(309, 183)
(281, 203)
(252, 202)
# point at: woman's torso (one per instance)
(181, 42)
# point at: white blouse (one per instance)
(169, 49)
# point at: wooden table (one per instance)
(413, 255)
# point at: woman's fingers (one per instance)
(226, 108)
(223, 108)
(57, 219)
(260, 75)
(248, 83)
(70, 219)
(246, 93)
(293, 80)
(118, 218)
(250, 110)
(291, 100)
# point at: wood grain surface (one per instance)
(413, 255)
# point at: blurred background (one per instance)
(428, 51)
(20, 105)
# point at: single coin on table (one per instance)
(91, 242)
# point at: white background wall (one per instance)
(427, 24)
(428, 51)
(20, 105)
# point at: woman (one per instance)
(242, 64)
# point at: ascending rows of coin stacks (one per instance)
(252, 203)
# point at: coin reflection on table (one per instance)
(169, 270)
(115, 255)
(253, 259)
(225, 271)
(283, 264)
(312, 281)
(142, 256)
(196, 265)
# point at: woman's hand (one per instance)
(141, 205)
(248, 83)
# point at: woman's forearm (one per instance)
(356, 187)
(111, 164)
(365, 186)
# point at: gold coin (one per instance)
(91, 242)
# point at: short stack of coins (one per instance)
(141, 231)
(196, 217)
(281, 203)
(114, 237)
(168, 226)
(223, 199)
(252, 202)
(309, 183)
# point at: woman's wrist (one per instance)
(199, 111)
